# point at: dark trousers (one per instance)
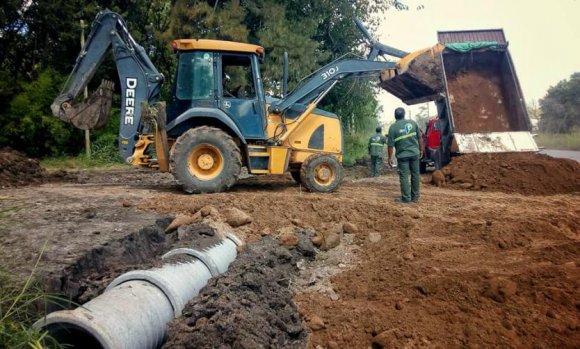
(406, 167)
(376, 165)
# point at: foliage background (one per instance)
(39, 42)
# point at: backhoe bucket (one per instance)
(91, 113)
(418, 77)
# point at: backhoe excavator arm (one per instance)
(140, 81)
(322, 80)
(319, 83)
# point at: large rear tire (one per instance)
(205, 160)
(321, 173)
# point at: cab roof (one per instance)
(216, 45)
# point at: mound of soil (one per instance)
(524, 173)
(250, 306)
(478, 102)
(16, 169)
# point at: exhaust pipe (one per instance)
(136, 307)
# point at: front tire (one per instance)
(205, 160)
(321, 173)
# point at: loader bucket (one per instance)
(418, 77)
(93, 112)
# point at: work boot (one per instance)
(402, 201)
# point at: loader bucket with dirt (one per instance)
(92, 113)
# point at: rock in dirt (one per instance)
(332, 345)
(249, 306)
(523, 173)
(438, 178)
(374, 237)
(331, 237)
(305, 245)
(316, 323)
(383, 340)
(206, 228)
(288, 240)
(349, 228)
(178, 221)
(317, 240)
(236, 217)
(499, 289)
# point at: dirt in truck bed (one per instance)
(478, 102)
(523, 173)
(460, 269)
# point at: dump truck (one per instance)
(471, 78)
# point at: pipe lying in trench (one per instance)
(136, 307)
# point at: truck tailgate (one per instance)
(495, 142)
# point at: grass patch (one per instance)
(21, 304)
(564, 141)
(355, 148)
(105, 155)
(81, 162)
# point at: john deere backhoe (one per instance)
(219, 118)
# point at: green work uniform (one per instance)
(404, 136)
(377, 151)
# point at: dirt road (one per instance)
(564, 154)
(461, 269)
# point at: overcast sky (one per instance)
(544, 36)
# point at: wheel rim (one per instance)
(205, 162)
(324, 174)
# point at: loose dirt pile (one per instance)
(524, 173)
(16, 169)
(473, 275)
(490, 270)
(478, 102)
(250, 306)
(427, 69)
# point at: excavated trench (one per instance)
(254, 291)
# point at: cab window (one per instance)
(237, 77)
(195, 76)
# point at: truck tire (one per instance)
(422, 167)
(205, 160)
(321, 173)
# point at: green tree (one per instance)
(561, 107)
(422, 116)
(28, 125)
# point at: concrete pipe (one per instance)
(136, 307)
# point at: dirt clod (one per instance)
(288, 240)
(236, 217)
(178, 221)
(316, 323)
(438, 178)
(349, 228)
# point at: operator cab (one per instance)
(223, 76)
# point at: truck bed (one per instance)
(482, 93)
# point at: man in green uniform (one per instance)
(377, 151)
(405, 137)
